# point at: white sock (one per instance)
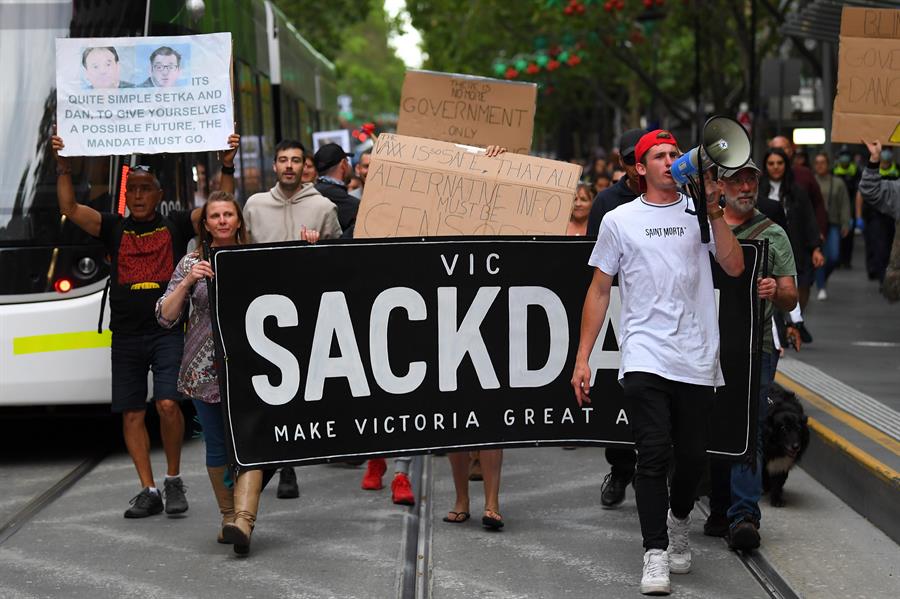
(796, 314)
(153, 490)
(173, 476)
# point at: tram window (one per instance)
(306, 124)
(250, 131)
(268, 131)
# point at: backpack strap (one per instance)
(759, 218)
(755, 233)
(117, 240)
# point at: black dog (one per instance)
(785, 438)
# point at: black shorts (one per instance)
(133, 356)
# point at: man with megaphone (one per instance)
(669, 344)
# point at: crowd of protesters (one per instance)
(807, 216)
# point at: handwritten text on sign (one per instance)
(421, 187)
(867, 105)
(476, 111)
(144, 95)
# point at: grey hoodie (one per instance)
(270, 216)
(881, 194)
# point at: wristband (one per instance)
(227, 170)
(714, 214)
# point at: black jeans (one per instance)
(669, 420)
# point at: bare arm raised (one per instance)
(85, 217)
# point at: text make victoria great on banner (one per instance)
(144, 95)
(409, 346)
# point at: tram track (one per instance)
(414, 580)
(775, 586)
(49, 495)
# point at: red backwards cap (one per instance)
(654, 138)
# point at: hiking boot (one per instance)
(655, 577)
(374, 471)
(612, 491)
(716, 525)
(743, 536)
(176, 502)
(287, 484)
(679, 548)
(401, 490)
(146, 503)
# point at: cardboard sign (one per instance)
(411, 346)
(422, 187)
(476, 111)
(144, 95)
(867, 105)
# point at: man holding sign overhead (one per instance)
(144, 248)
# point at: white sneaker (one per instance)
(822, 296)
(655, 579)
(679, 550)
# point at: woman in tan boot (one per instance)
(246, 502)
(221, 224)
(224, 496)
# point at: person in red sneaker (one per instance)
(401, 488)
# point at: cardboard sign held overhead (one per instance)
(867, 105)
(422, 187)
(476, 111)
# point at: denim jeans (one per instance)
(742, 502)
(832, 251)
(210, 415)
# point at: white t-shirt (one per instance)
(774, 188)
(669, 324)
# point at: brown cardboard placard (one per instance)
(476, 111)
(423, 187)
(867, 103)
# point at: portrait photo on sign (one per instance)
(106, 67)
(162, 66)
(340, 137)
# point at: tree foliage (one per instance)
(368, 67)
(324, 24)
(632, 60)
(354, 35)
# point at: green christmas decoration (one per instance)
(521, 64)
(541, 59)
(499, 69)
(540, 42)
(563, 56)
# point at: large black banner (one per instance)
(410, 346)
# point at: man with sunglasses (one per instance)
(144, 248)
(669, 344)
(621, 459)
(736, 488)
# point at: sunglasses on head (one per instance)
(142, 168)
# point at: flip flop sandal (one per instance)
(490, 521)
(457, 517)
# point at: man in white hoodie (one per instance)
(280, 214)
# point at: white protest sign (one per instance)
(144, 95)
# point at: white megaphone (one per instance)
(725, 144)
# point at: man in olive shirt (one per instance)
(736, 488)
